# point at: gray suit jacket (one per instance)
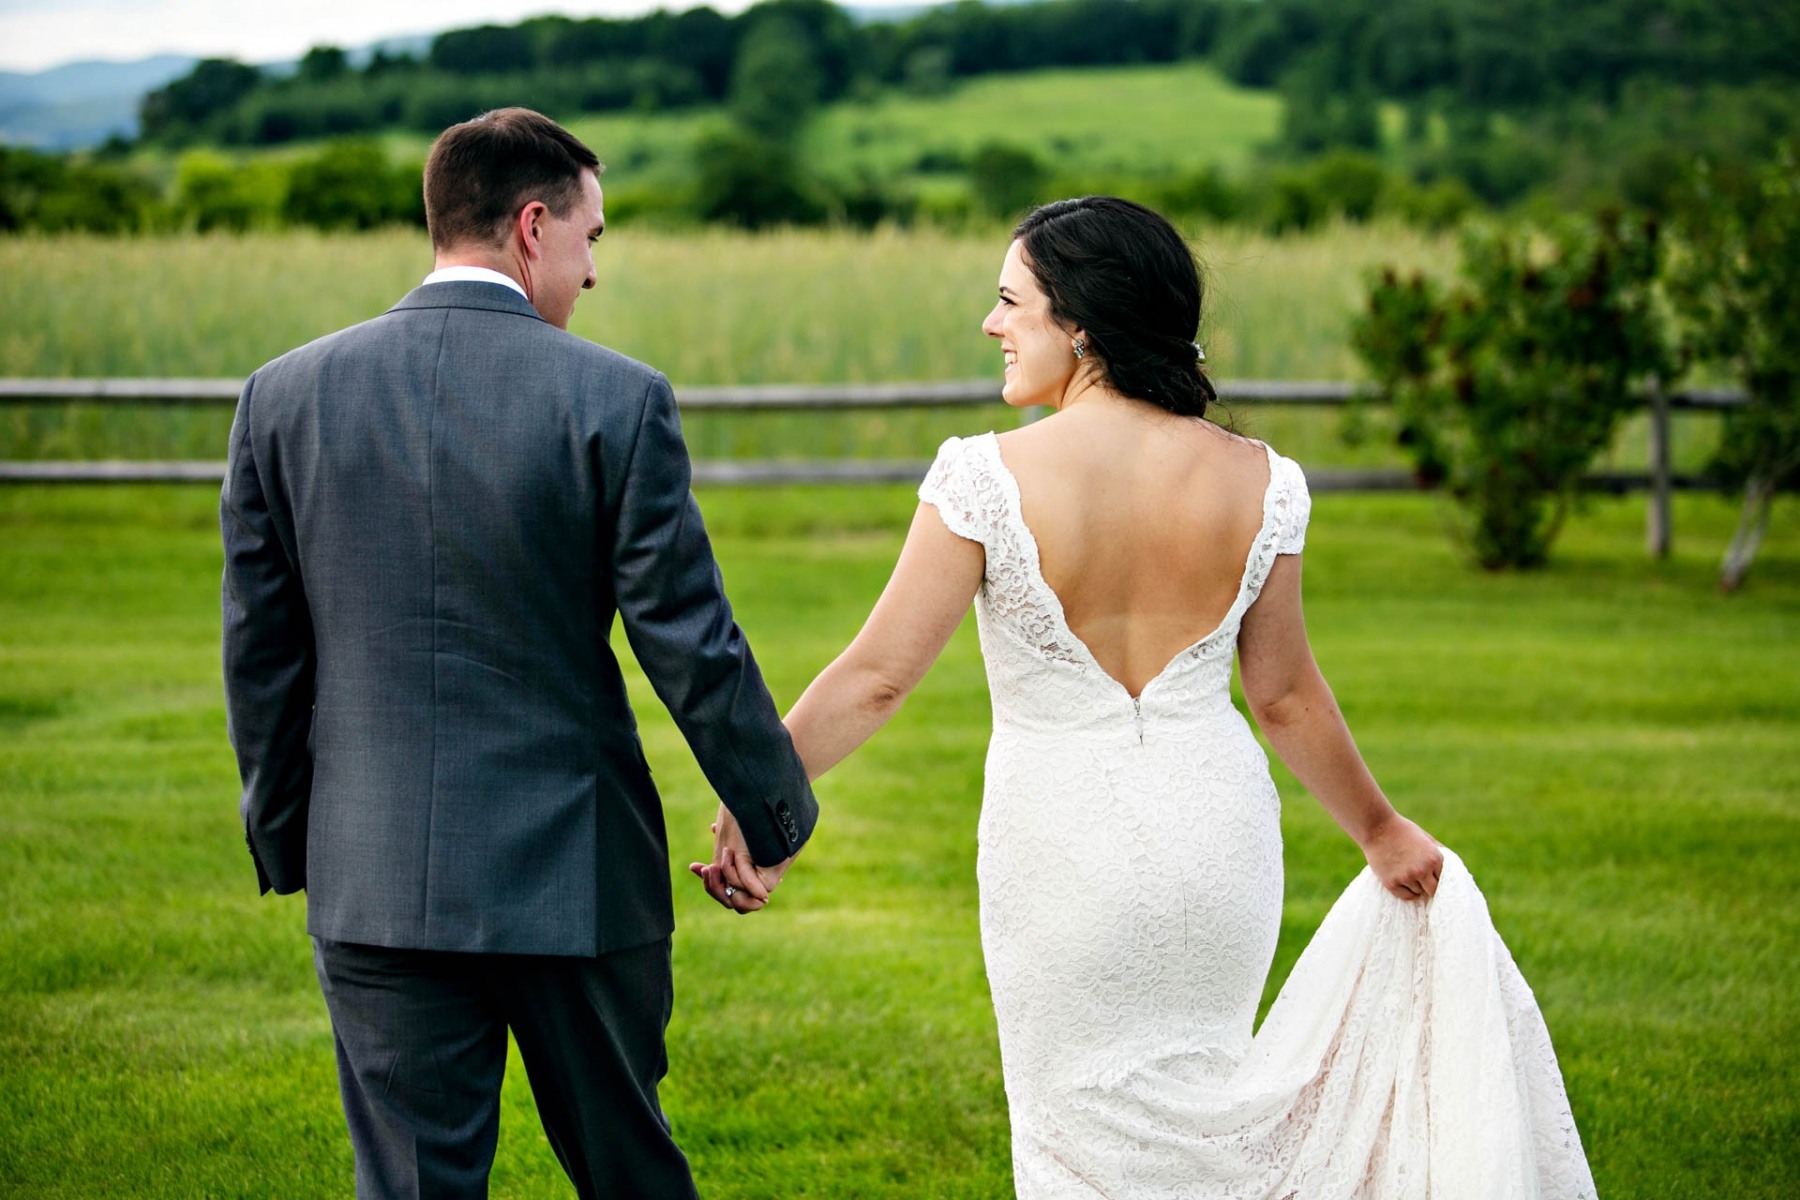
(430, 520)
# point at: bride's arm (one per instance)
(1294, 706)
(924, 601)
(920, 608)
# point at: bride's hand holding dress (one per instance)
(1295, 709)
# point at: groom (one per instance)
(430, 520)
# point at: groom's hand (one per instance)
(732, 877)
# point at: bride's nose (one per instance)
(990, 324)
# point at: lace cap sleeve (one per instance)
(1296, 508)
(953, 487)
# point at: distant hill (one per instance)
(81, 104)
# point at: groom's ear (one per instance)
(528, 226)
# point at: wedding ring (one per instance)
(730, 891)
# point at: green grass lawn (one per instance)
(1608, 743)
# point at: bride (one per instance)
(1118, 553)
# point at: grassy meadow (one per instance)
(1144, 120)
(1608, 743)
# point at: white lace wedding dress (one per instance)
(1130, 875)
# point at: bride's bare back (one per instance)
(1143, 521)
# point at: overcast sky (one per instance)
(35, 34)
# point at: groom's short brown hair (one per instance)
(480, 173)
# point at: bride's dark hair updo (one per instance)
(1124, 276)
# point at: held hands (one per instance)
(1404, 858)
(732, 877)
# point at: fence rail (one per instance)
(810, 397)
(761, 398)
(764, 397)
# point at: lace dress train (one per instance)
(1130, 878)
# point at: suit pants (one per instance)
(421, 1049)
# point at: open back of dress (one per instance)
(1144, 535)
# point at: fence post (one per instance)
(1656, 532)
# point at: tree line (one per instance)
(1596, 102)
(1469, 54)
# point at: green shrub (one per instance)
(1351, 183)
(1505, 386)
(752, 182)
(212, 192)
(52, 194)
(349, 185)
(1206, 192)
(1006, 179)
(1442, 204)
(864, 202)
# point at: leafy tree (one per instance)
(1737, 284)
(834, 42)
(44, 192)
(1205, 192)
(382, 63)
(212, 192)
(1317, 115)
(1505, 386)
(26, 177)
(1343, 183)
(349, 185)
(752, 182)
(1351, 183)
(1441, 204)
(566, 43)
(1006, 178)
(484, 50)
(1260, 42)
(98, 198)
(705, 42)
(322, 64)
(777, 82)
(183, 107)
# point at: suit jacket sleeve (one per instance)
(269, 668)
(672, 602)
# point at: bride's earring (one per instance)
(1080, 348)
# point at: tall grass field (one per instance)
(707, 307)
(1608, 743)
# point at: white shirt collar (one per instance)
(474, 275)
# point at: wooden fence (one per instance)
(1657, 478)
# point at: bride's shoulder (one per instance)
(1050, 435)
(1253, 457)
(1233, 441)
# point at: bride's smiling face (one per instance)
(1039, 353)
